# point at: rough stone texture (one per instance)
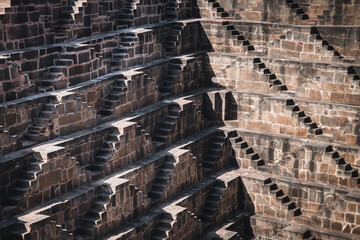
(179, 119)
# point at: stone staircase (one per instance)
(239, 39)
(102, 156)
(162, 229)
(162, 136)
(318, 38)
(255, 160)
(274, 82)
(70, 11)
(57, 75)
(93, 220)
(346, 168)
(216, 11)
(315, 35)
(214, 153)
(171, 10)
(126, 15)
(17, 200)
(312, 126)
(296, 9)
(352, 72)
(211, 205)
(173, 74)
(124, 51)
(173, 38)
(116, 97)
(39, 130)
(55, 78)
(285, 200)
(163, 176)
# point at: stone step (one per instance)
(155, 193)
(165, 223)
(35, 137)
(86, 230)
(95, 213)
(47, 114)
(91, 221)
(20, 191)
(158, 186)
(100, 167)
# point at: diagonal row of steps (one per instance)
(312, 126)
(348, 170)
(17, 199)
(103, 155)
(162, 229)
(255, 159)
(126, 16)
(125, 50)
(162, 136)
(285, 200)
(116, 97)
(296, 9)
(273, 80)
(163, 176)
(55, 78)
(237, 37)
(215, 149)
(215, 9)
(317, 37)
(211, 205)
(94, 217)
(171, 10)
(172, 39)
(41, 124)
(67, 21)
(171, 78)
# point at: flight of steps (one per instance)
(68, 19)
(215, 9)
(98, 167)
(348, 170)
(173, 74)
(171, 10)
(312, 126)
(255, 160)
(173, 38)
(126, 16)
(116, 97)
(167, 127)
(215, 150)
(41, 124)
(94, 217)
(352, 72)
(55, 78)
(274, 82)
(296, 9)
(16, 201)
(161, 231)
(315, 33)
(163, 176)
(317, 37)
(211, 205)
(289, 205)
(123, 51)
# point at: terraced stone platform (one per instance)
(179, 119)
